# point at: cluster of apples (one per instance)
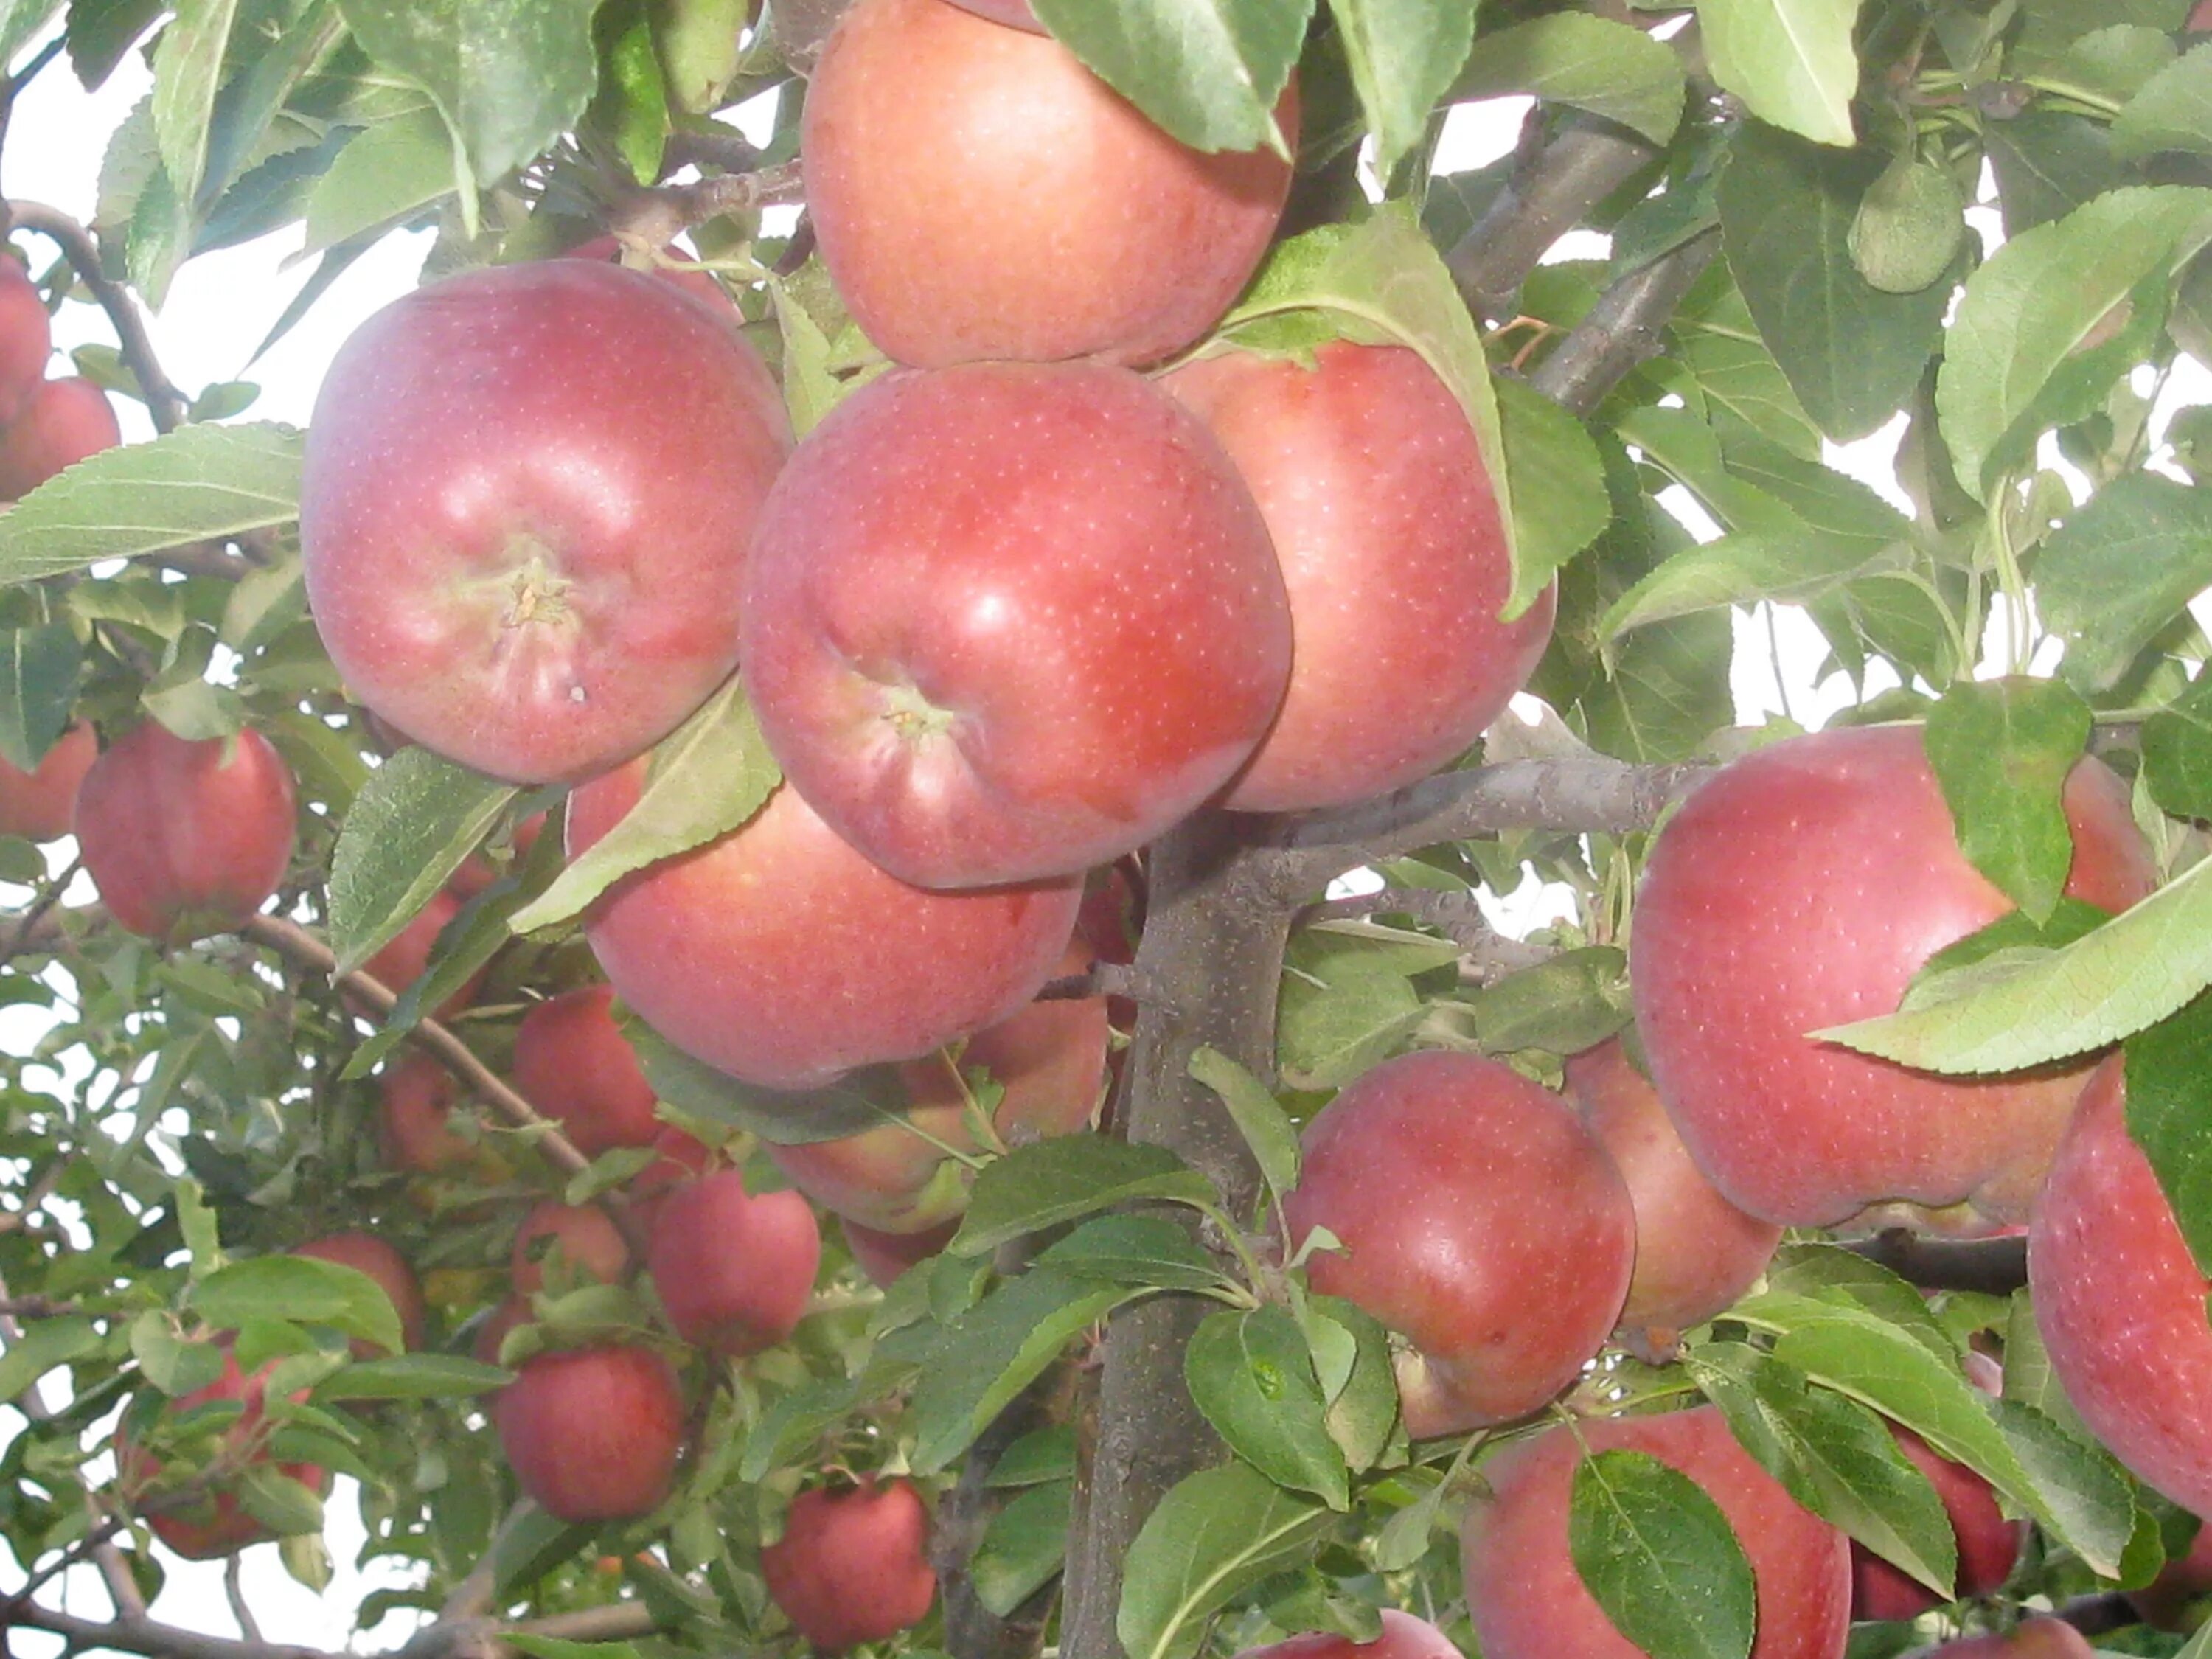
(45, 425)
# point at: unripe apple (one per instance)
(734, 1270)
(1394, 554)
(571, 1063)
(183, 838)
(593, 1434)
(1012, 620)
(884, 1256)
(26, 339)
(980, 194)
(590, 1243)
(65, 421)
(2032, 1638)
(1529, 1603)
(40, 805)
(367, 1253)
(853, 1566)
(405, 956)
(781, 956)
(527, 493)
(1802, 888)
(1403, 1637)
(1696, 1253)
(1481, 1220)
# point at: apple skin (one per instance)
(2164, 1603)
(1803, 888)
(1017, 14)
(681, 1158)
(2120, 1301)
(40, 805)
(2200, 18)
(367, 1253)
(571, 1063)
(1403, 1637)
(1395, 555)
(1012, 620)
(979, 194)
(65, 421)
(405, 956)
(2032, 1638)
(1481, 1221)
(853, 1566)
(884, 1256)
(1696, 1253)
(593, 1434)
(415, 1098)
(782, 956)
(491, 1335)
(183, 838)
(494, 553)
(734, 1270)
(1527, 1601)
(26, 339)
(589, 1242)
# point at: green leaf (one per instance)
(287, 1507)
(701, 47)
(633, 98)
(196, 483)
(187, 68)
(413, 1377)
(2028, 1378)
(2168, 1091)
(1039, 1457)
(383, 175)
(40, 668)
(1562, 1006)
(20, 20)
(1332, 1026)
(1832, 1273)
(2002, 750)
(1558, 487)
(1351, 1360)
(1252, 1374)
(1023, 1549)
(304, 1291)
(172, 1365)
(707, 777)
(1792, 61)
(1260, 1118)
(1403, 56)
(1214, 1535)
(2048, 162)
(1138, 1250)
(2080, 1485)
(414, 821)
(1660, 1558)
(859, 1100)
(1610, 69)
(2172, 110)
(44, 1344)
(1209, 71)
(794, 1421)
(2115, 573)
(1745, 569)
(2177, 752)
(1049, 1182)
(2037, 303)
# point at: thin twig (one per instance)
(1104, 979)
(37, 1307)
(658, 215)
(167, 405)
(26, 929)
(233, 1591)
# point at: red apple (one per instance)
(1480, 1221)
(2200, 18)
(571, 1063)
(491, 1335)
(1403, 1636)
(40, 805)
(2164, 1603)
(183, 838)
(593, 1434)
(368, 1254)
(680, 1159)
(405, 956)
(853, 1566)
(65, 421)
(980, 194)
(1696, 1253)
(26, 339)
(1529, 1603)
(1012, 620)
(2120, 1301)
(416, 1096)
(1395, 554)
(2032, 1638)
(884, 1256)
(1015, 14)
(734, 1270)
(524, 516)
(589, 1242)
(1801, 889)
(783, 957)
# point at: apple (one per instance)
(2164, 1603)
(26, 339)
(2120, 1301)
(589, 1242)
(853, 1566)
(367, 1253)
(406, 957)
(593, 1433)
(1802, 888)
(2032, 1638)
(65, 421)
(1395, 554)
(1012, 620)
(1403, 1637)
(883, 1257)
(491, 1334)
(781, 956)
(573, 1063)
(1529, 1603)
(523, 518)
(1016, 13)
(184, 838)
(734, 1270)
(678, 1158)
(1481, 1220)
(2200, 18)
(416, 1101)
(40, 805)
(980, 194)
(1696, 1253)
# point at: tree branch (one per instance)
(1623, 329)
(1550, 193)
(657, 216)
(1994, 1267)
(1104, 979)
(167, 405)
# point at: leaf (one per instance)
(632, 105)
(1215, 1534)
(286, 1506)
(1558, 487)
(381, 175)
(2177, 752)
(2079, 1481)
(1041, 1456)
(2168, 1088)
(1251, 1374)
(1563, 1004)
(1023, 1549)
(196, 483)
(1138, 1250)
(1831, 1272)
(2002, 750)
(302, 1290)
(413, 1377)
(1209, 71)
(2171, 111)
(43, 1344)
(861, 1099)
(2028, 1378)
(995, 1351)
(1744, 569)
(40, 668)
(2037, 302)
(707, 777)
(1792, 61)
(2115, 573)
(1610, 69)
(1351, 1359)
(1403, 55)
(1260, 1118)
(1332, 1026)
(20, 20)
(1049, 1182)
(1659, 1557)
(2048, 162)
(414, 821)
(187, 68)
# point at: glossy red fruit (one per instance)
(1403, 1636)
(1802, 889)
(26, 339)
(853, 1566)
(781, 956)
(494, 553)
(40, 805)
(405, 956)
(1988, 1543)
(415, 1096)
(883, 1256)
(679, 1159)
(1480, 1221)
(590, 1243)
(2032, 1638)
(980, 194)
(183, 838)
(1392, 549)
(734, 1270)
(65, 421)
(571, 1063)
(1012, 620)
(593, 1434)
(367, 1253)
(1529, 1603)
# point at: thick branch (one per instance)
(1585, 161)
(658, 215)
(153, 1639)
(1625, 327)
(167, 405)
(1994, 1267)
